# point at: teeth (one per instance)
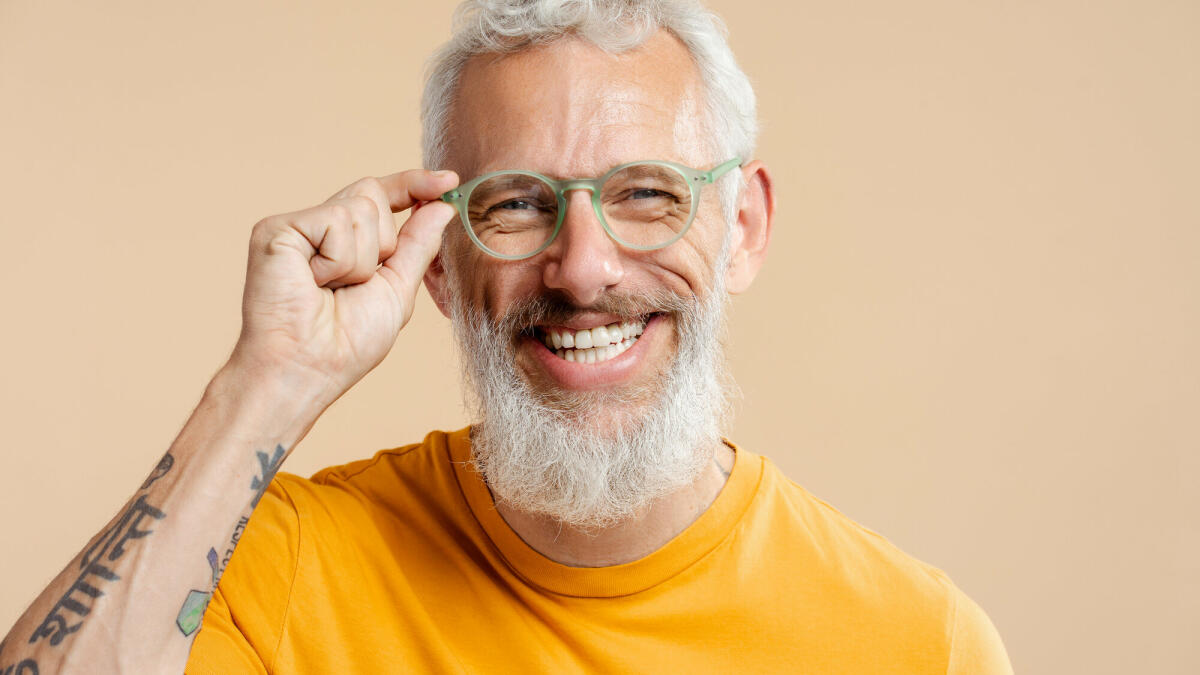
(593, 345)
(596, 354)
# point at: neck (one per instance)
(631, 539)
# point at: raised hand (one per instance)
(328, 288)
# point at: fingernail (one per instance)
(442, 173)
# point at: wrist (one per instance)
(267, 404)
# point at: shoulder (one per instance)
(865, 571)
(859, 552)
(297, 513)
(410, 476)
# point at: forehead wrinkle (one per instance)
(554, 120)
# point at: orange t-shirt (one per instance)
(401, 563)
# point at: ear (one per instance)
(435, 283)
(752, 227)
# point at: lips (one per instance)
(592, 345)
(617, 360)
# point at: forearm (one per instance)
(132, 599)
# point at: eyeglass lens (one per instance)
(645, 205)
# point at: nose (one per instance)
(583, 261)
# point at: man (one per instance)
(593, 520)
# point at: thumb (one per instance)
(416, 245)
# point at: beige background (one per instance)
(977, 332)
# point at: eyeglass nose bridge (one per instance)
(593, 187)
(589, 184)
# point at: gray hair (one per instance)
(504, 26)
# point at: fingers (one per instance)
(405, 254)
(406, 188)
(418, 243)
(384, 221)
(346, 238)
(359, 257)
(397, 192)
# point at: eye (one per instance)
(515, 208)
(648, 193)
(515, 205)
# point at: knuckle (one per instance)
(342, 234)
(364, 208)
(264, 230)
(369, 185)
(339, 213)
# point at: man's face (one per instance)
(570, 110)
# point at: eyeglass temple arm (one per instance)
(722, 169)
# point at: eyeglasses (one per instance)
(642, 205)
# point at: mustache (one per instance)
(555, 307)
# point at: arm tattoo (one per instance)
(270, 465)
(191, 614)
(164, 465)
(25, 667)
(96, 564)
(233, 542)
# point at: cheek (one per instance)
(691, 260)
(497, 284)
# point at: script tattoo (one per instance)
(191, 613)
(26, 667)
(270, 465)
(233, 542)
(96, 567)
(164, 465)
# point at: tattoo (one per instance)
(118, 535)
(269, 466)
(215, 564)
(192, 612)
(233, 542)
(164, 465)
(26, 667)
(721, 469)
(108, 548)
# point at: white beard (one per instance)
(591, 460)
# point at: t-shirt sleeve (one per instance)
(244, 620)
(975, 646)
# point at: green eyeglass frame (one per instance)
(460, 197)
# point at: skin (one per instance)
(569, 109)
(328, 290)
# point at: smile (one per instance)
(592, 345)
